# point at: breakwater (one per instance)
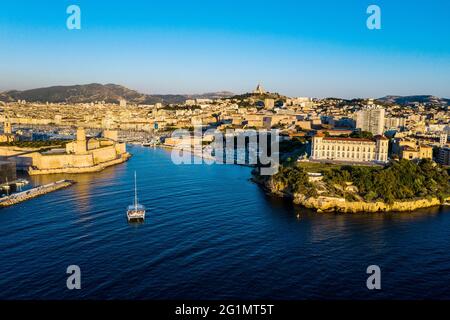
(35, 192)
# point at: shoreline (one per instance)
(323, 204)
(340, 205)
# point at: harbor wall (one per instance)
(35, 192)
(104, 154)
(94, 168)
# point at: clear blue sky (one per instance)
(303, 48)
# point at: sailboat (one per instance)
(135, 211)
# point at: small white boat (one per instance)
(135, 211)
(22, 182)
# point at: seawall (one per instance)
(35, 192)
(96, 168)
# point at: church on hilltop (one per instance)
(259, 89)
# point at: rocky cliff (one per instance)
(330, 204)
(341, 205)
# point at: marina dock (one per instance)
(35, 192)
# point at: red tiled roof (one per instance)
(347, 139)
(320, 135)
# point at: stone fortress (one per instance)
(79, 156)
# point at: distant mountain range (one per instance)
(110, 93)
(406, 100)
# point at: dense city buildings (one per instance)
(412, 130)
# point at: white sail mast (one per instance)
(135, 192)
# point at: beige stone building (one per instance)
(269, 103)
(411, 149)
(304, 124)
(7, 135)
(350, 149)
(81, 155)
(414, 153)
(258, 121)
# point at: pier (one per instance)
(35, 192)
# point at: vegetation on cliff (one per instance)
(291, 180)
(400, 180)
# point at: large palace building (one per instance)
(350, 149)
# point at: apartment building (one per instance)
(371, 119)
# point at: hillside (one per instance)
(110, 93)
(406, 100)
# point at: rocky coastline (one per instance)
(323, 204)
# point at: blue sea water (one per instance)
(211, 233)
